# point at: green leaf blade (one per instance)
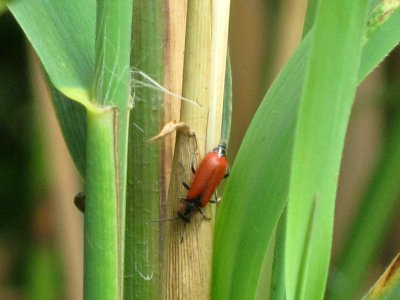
(254, 197)
(324, 112)
(62, 34)
(380, 42)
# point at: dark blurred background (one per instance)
(40, 229)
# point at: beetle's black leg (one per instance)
(228, 173)
(216, 199)
(193, 169)
(203, 214)
(186, 185)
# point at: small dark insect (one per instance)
(79, 201)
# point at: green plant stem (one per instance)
(101, 274)
(142, 252)
(187, 265)
(111, 86)
(107, 133)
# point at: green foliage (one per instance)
(254, 197)
(63, 36)
(325, 105)
(292, 149)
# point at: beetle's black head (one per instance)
(187, 211)
(184, 217)
(221, 148)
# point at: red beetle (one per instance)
(212, 169)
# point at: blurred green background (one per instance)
(41, 231)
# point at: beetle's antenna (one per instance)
(165, 220)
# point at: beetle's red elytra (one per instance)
(212, 169)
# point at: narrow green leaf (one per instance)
(326, 103)
(379, 42)
(62, 34)
(255, 196)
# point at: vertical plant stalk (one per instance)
(187, 265)
(101, 247)
(107, 128)
(142, 265)
(174, 33)
(219, 47)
